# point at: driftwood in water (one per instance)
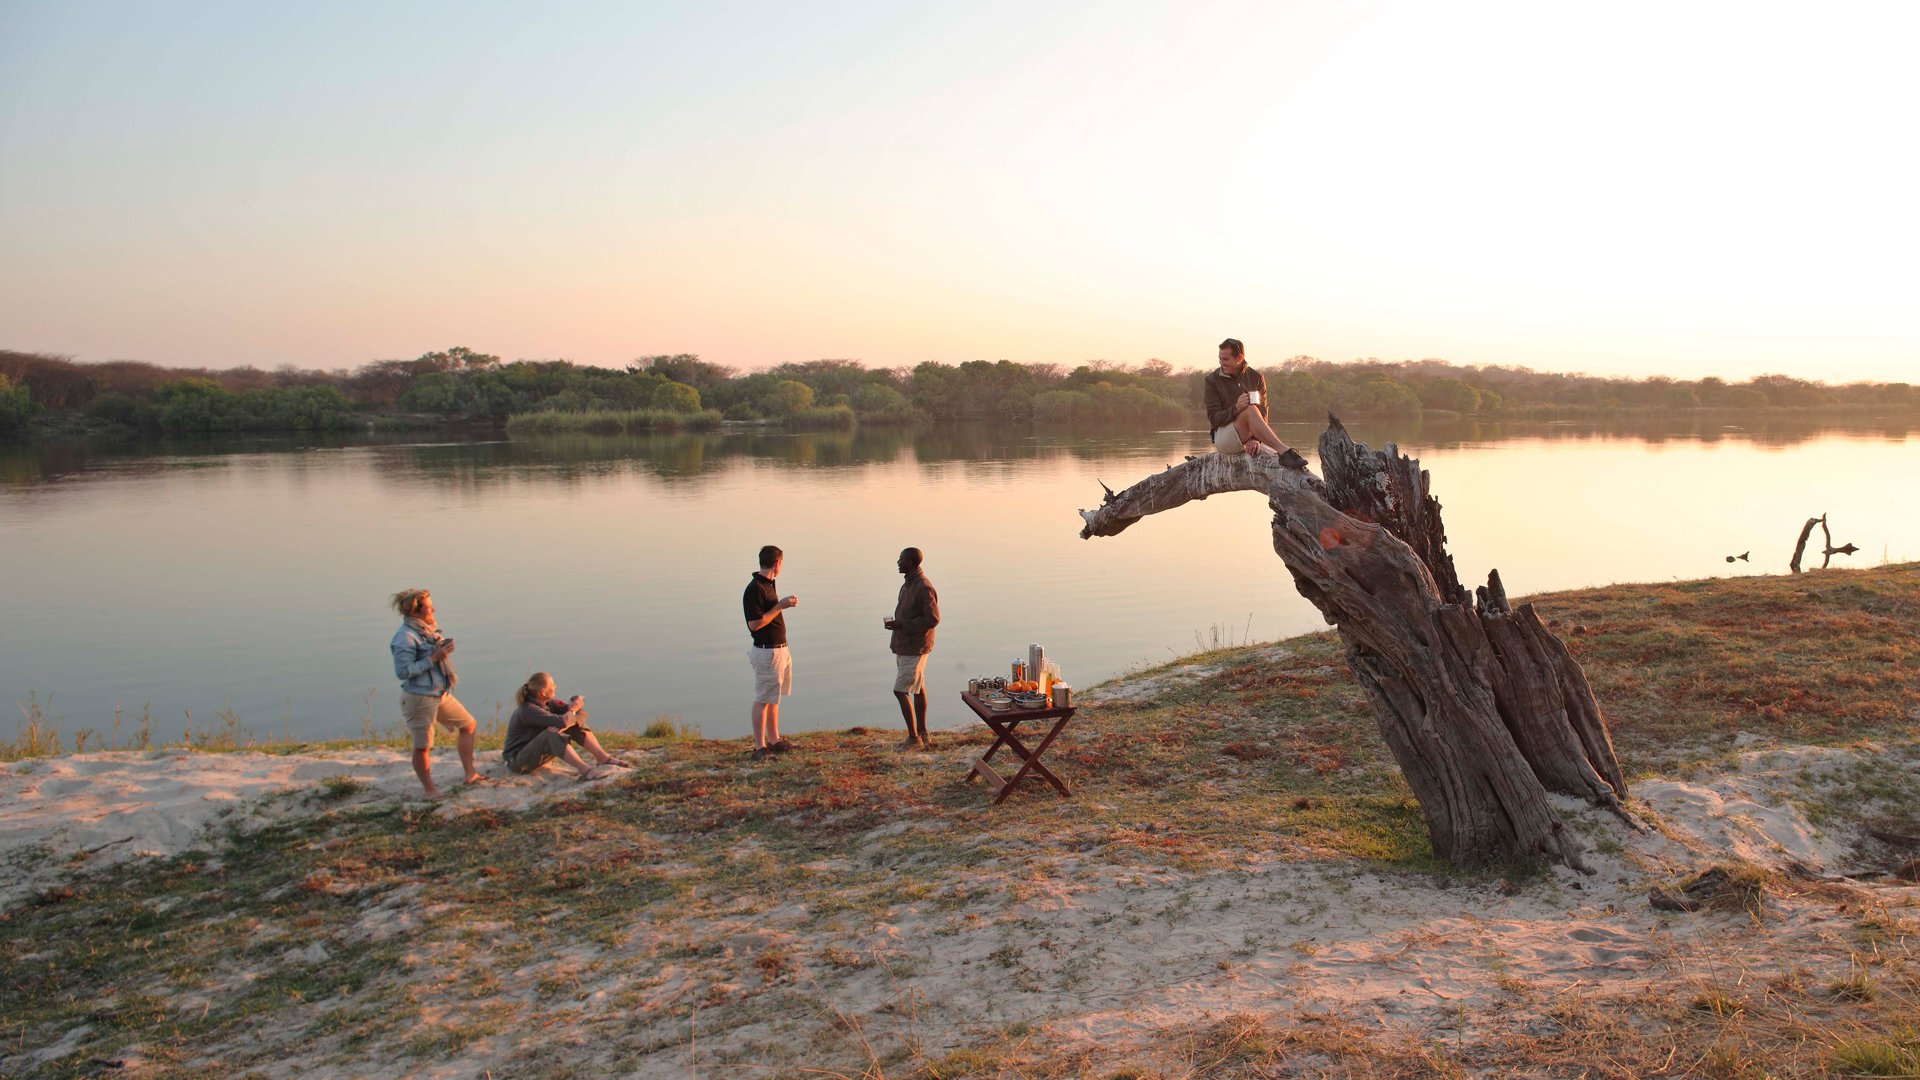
(1482, 706)
(1828, 552)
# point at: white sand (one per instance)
(100, 808)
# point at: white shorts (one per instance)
(910, 674)
(1227, 441)
(772, 674)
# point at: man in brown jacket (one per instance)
(914, 616)
(1236, 402)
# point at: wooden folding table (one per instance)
(1004, 725)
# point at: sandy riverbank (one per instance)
(1240, 886)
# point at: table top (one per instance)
(980, 709)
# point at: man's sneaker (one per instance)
(761, 752)
(780, 746)
(1292, 459)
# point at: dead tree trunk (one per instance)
(1482, 706)
(1828, 550)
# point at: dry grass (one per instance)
(1822, 658)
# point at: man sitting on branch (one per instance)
(1236, 401)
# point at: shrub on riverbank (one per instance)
(1105, 403)
(822, 418)
(611, 422)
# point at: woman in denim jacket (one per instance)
(423, 662)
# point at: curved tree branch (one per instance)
(1484, 709)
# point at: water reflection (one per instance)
(464, 463)
(634, 550)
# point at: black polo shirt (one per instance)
(759, 599)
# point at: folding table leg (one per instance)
(1031, 762)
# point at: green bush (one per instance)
(827, 417)
(196, 404)
(1452, 395)
(787, 398)
(1106, 403)
(296, 408)
(742, 411)
(609, 422)
(675, 397)
(16, 406)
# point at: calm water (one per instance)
(253, 575)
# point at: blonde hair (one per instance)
(525, 693)
(407, 601)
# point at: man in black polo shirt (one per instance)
(772, 667)
(1236, 401)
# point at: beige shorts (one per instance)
(1228, 441)
(772, 674)
(422, 713)
(910, 674)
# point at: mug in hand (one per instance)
(1253, 397)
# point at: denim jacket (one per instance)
(413, 664)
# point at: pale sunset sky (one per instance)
(1670, 188)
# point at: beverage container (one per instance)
(1019, 668)
(1062, 696)
(1036, 663)
(973, 686)
(1253, 397)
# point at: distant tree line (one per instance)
(682, 390)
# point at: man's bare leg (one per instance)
(906, 713)
(773, 724)
(760, 726)
(1252, 426)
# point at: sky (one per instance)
(1674, 188)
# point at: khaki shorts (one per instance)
(910, 674)
(1228, 441)
(772, 674)
(546, 746)
(423, 712)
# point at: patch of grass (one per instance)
(1821, 658)
(1854, 987)
(670, 728)
(1896, 1053)
(336, 788)
(39, 736)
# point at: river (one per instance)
(251, 576)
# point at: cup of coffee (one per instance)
(1253, 397)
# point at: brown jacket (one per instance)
(1222, 391)
(915, 616)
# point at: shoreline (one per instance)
(1239, 886)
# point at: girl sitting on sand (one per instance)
(544, 727)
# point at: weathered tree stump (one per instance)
(1481, 705)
